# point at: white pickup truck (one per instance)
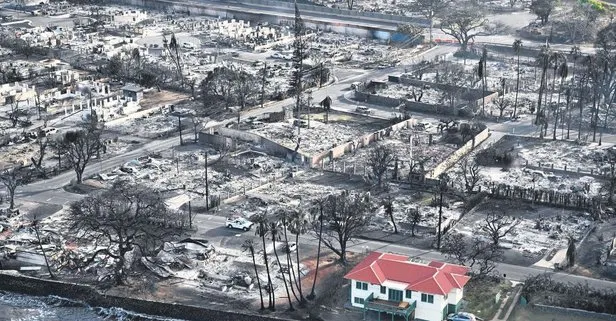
(239, 223)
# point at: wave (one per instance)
(46, 303)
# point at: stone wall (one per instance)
(574, 312)
(362, 141)
(33, 286)
(216, 140)
(458, 154)
(267, 146)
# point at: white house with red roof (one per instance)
(396, 285)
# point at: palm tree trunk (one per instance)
(517, 89)
(581, 104)
(312, 295)
(254, 263)
(292, 278)
(291, 271)
(595, 114)
(272, 298)
(541, 89)
(284, 279)
(299, 273)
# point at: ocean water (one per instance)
(17, 307)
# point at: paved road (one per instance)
(212, 228)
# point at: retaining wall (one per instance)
(576, 312)
(566, 171)
(362, 141)
(458, 154)
(268, 146)
(88, 294)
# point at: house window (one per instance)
(358, 300)
(383, 290)
(407, 294)
(395, 295)
(429, 298)
(361, 285)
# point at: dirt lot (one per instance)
(422, 151)
(183, 168)
(547, 152)
(539, 229)
(593, 249)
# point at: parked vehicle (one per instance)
(289, 247)
(462, 316)
(239, 223)
(363, 110)
(277, 55)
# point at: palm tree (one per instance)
(588, 62)
(282, 217)
(312, 295)
(544, 62)
(249, 246)
(299, 225)
(274, 230)
(575, 53)
(563, 72)
(262, 231)
(554, 61)
(517, 47)
(482, 72)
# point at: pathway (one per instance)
(510, 308)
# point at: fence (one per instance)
(544, 197)
(458, 154)
(568, 170)
(574, 312)
(270, 147)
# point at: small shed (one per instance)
(132, 92)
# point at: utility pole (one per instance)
(263, 84)
(180, 127)
(442, 188)
(309, 105)
(207, 189)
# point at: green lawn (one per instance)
(480, 297)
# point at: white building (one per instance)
(393, 284)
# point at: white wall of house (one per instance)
(455, 296)
(424, 310)
(430, 311)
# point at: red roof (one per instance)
(434, 278)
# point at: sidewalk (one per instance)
(510, 308)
